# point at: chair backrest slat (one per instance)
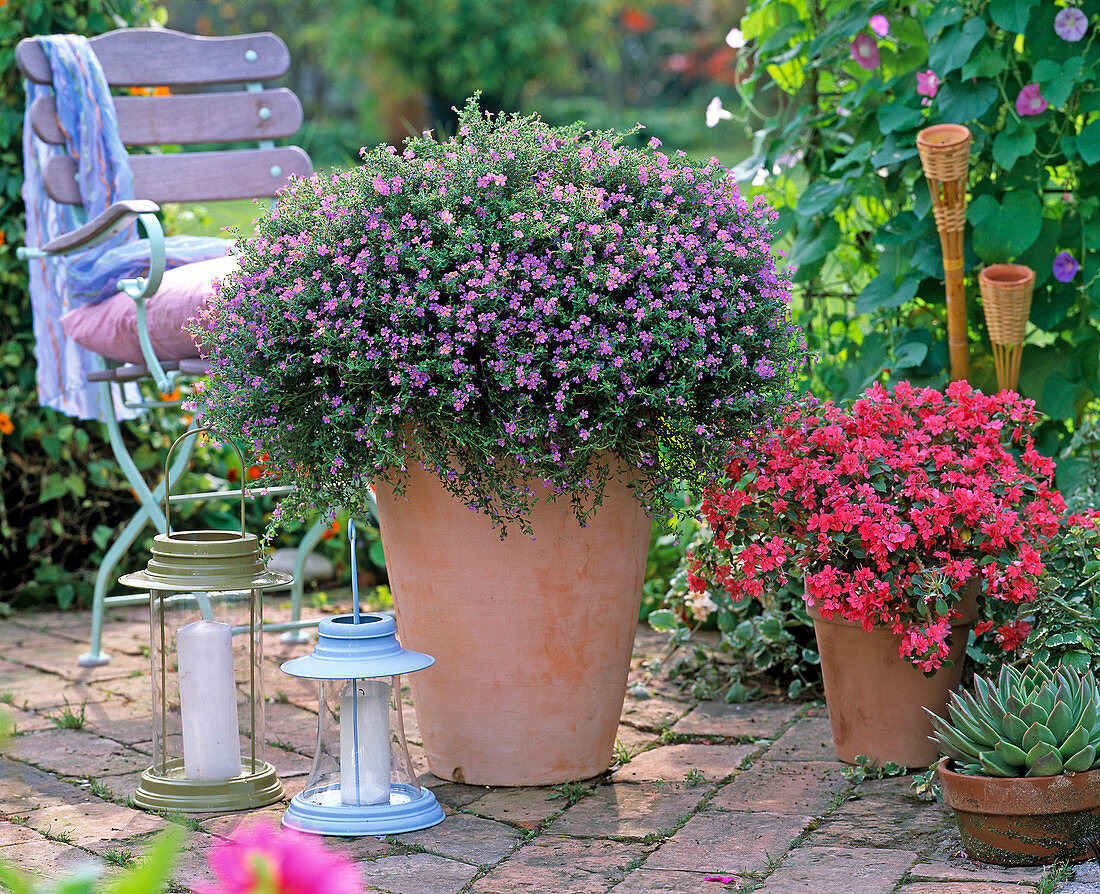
(189, 118)
(193, 176)
(153, 57)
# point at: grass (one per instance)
(694, 777)
(1054, 877)
(571, 791)
(67, 718)
(120, 856)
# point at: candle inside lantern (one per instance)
(208, 701)
(365, 743)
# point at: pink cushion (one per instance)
(110, 327)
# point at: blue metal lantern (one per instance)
(362, 781)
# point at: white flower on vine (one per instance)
(716, 113)
(735, 38)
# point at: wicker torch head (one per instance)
(1006, 298)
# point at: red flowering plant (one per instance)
(887, 509)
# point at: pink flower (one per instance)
(260, 859)
(865, 51)
(1030, 101)
(927, 83)
(880, 25)
(1065, 267)
(1071, 24)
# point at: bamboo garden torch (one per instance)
(945, 156)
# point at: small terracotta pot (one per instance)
(532, 638)
(875, 696)
(1025, 821)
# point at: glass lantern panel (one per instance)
(362, 758)
(206, 667)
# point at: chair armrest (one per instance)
(100, 228)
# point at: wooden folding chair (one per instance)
(215, 96)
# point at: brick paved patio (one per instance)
(748, 791)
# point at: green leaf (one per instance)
(1011, 755)
(1081, 761)
(966, 101)
(1060, 723)
(953, 47)
(910, 354)
(1073, 743)
(1011, 15)
(995, 765)
(152, 874)
(1059, 397)
(813, 246)
(881, 293)
(15, 880)
(897, 116)
(985, 63)
(1002, 231)
(1043, 760)
(1088, 143)
(663, 620)
(1012, 143)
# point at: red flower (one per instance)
(636, 20)
(888, 509)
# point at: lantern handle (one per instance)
(202, 429)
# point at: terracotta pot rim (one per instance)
(1043, 794)
(967, 606)
(1007, 275)
(943, 136)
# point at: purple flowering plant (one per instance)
(517, 303)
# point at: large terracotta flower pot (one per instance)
(532, 638)
(1026, 821)
(875, 696)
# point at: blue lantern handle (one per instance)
(354, 573)
(204, 429)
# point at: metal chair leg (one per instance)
(305, 548)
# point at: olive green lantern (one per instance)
(206, 652)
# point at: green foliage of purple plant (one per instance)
(516, 304)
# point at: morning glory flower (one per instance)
(1030, 101)
(1065, 267)
(865, 51)
(716, 113)
(1071, 24)
(927, 83)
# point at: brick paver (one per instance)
(814, 870)
(750, 791)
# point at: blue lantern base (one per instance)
(407, 811)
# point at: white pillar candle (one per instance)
(208, 701)
(365, 743)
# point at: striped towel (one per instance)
(57, 285)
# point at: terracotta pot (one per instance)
(1026, 821)
(875, 696)
(532, 638)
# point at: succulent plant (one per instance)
(1035, 722)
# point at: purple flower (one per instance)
(1065, 267)
(1030, 101)
(1071, 24)
(927, 83)
(880, 25)
(865, 51)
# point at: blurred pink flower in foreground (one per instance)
(1030, 101)
(880, 25)
(927, 83)
(261, 859)
(865, 51)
